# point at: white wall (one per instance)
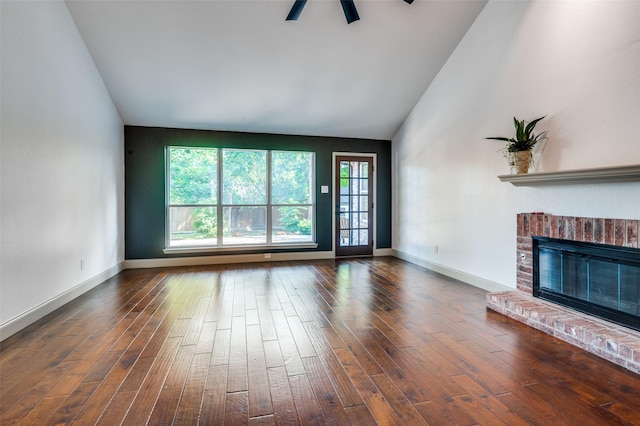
(62, 185)
(578, 62)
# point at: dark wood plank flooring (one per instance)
(360, 341)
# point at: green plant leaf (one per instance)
(522, 135)
(531, 126)
(516, 125)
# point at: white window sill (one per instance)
(244, 248)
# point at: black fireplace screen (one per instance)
(598, 279)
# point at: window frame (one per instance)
(220, 206)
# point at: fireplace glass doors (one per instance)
(598, 279)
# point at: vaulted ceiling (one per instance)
(238, 65)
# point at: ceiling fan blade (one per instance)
(296, 10)
(350, 11)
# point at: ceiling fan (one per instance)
(348, 6)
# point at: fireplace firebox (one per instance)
(598, 279)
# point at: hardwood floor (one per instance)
(376, 341)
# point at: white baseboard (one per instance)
(453, 273)
(384, 252)
(226, 259)
(238, 258)
(16, 324)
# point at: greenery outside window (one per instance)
(239, 197)
(291, 185)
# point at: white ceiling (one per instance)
(238, 65)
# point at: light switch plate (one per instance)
(324, 189)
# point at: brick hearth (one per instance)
(615, 343)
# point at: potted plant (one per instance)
(518, 149)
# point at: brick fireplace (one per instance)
(605, 339)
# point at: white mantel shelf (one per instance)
(630, 173)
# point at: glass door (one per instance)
(354, 206)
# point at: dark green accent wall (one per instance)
(145, 180)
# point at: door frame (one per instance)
(334, 190)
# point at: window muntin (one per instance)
(267, 197)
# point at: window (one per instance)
(239, 197)
(244, 197)
(291, 196)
